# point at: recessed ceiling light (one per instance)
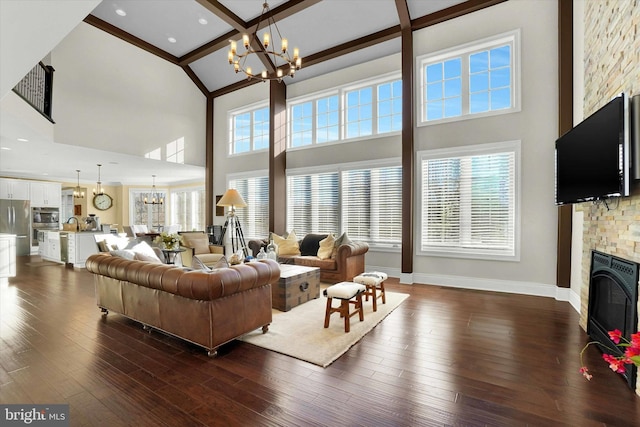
(23, 140)
(5, 148)
(203, 21)
(121, 12)
(172, 40)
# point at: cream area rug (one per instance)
(300, 332)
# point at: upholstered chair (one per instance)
(197, 245)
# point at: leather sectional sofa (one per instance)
(347, 263)
(205, 308)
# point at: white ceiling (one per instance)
(314, 26)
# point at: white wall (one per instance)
(113, 96)
(30, 29)
(535, 125)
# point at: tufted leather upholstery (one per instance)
(349, 262)
(206, 308)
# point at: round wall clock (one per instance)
(102, 201)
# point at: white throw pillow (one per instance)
(288, 246)
(326, 246)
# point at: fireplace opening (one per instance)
(613, 303)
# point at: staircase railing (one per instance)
(36, 88)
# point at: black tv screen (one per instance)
(592, 159)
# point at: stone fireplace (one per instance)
(613, 303)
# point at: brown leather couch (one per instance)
(348, 262)
(205, 308)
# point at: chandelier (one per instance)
(98, 190)
(266, 48)
(77, 192)
(155, 197)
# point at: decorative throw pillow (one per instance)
(142, 248)
(288, 246)
(221, 263)
(124, 253)
(310, 244)
(342, 240)
(326, 246)
(102, 246)
(196, 264)
(142, 257)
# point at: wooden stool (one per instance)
(347, 293)
(373, 281)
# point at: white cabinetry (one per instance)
(14, 189)
(80, 246)
(46, 194)
(49, 248)
(7, 255)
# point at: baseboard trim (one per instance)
(479, 284)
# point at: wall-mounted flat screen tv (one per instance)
(592, 159)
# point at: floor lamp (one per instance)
(232, 199)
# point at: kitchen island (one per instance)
(68, 247)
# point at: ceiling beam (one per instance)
(352, 46)
(452, 12)
(403, 14)
(223, 13)
(208, 48)
(194, 78)
(129, 38)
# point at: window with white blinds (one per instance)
(255, 217)
(469, 201)
(313, 203)
(188, 209)
(371, 205)
(364, 202)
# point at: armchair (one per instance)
(197, 245)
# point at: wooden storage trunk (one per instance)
(297, 285)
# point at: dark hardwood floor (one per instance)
(444, 357)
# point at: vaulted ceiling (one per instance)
(330, 34)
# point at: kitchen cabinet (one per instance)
(15, 189)
(46, 194)
(79, 247)
(7, 255)
(49, 247)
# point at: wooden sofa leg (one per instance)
(265, 328)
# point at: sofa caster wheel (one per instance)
(212, 353)
(265, 329)
(146, 328)
(104, 311)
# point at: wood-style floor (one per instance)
(445, 357)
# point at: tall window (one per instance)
(255, 217)
(188, 209)
(371, 204)
(469, 201)
(313, 203)
(249, 130)
(481, 78)
(359, 113)
(361, 200)
(328, 119)
(373, 107)
(152, 216)
(390, 107)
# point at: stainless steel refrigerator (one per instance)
(14, 219)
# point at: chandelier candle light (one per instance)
(155, 197)
(98, 190)
(78, 193)
(238, 60)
